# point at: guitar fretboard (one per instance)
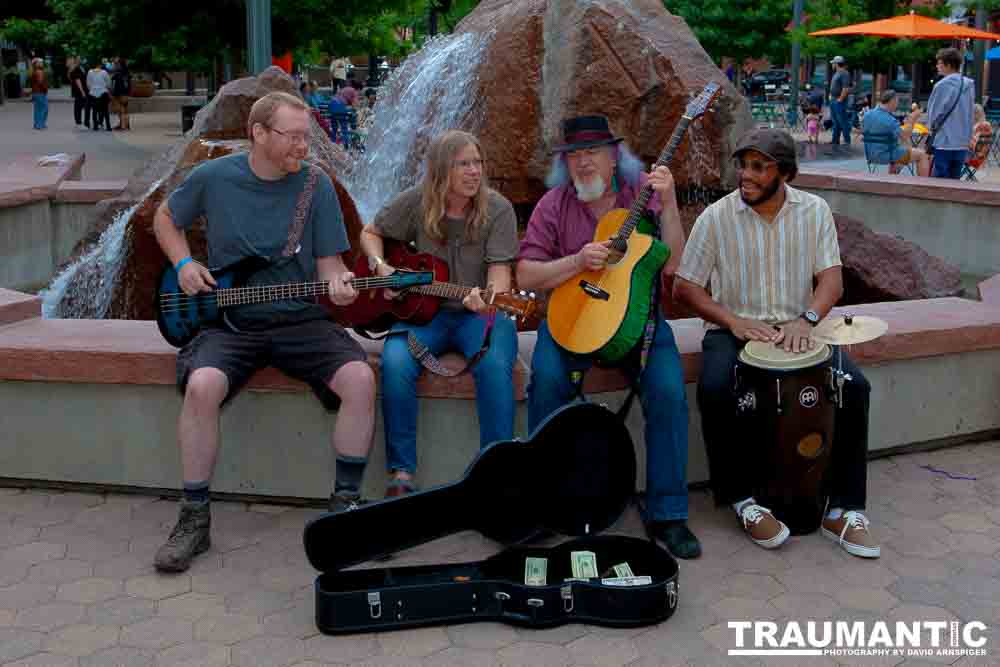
(620, 242)
(239, 296)
(444, 290)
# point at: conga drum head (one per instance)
(771, 357)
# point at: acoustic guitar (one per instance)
(603, 313)
(180, 317)
(419, 304)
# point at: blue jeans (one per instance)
(948, 164)
(449, 330)
(41, 104)
(664, 406)
(340, 126)
(841, 123)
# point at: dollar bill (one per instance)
(583, 564)
(535, 571)
(627, 581)
(622, 570)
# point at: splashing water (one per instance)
(84, 289)
(432, 91)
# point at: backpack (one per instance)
(120, 84)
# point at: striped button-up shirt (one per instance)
(762, 270)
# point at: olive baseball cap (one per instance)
(776, 144)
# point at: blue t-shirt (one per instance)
(880, 121)
(250, 217)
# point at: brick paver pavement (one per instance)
(77, 586)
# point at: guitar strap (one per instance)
(427, 359)
(302, 207)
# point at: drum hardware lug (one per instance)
(567, 597)
(500, 595)
(535, 602)
(672, 594)
(375, 605)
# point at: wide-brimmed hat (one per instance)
(585, 132)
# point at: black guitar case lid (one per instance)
(574, 475)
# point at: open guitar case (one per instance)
(575, 476)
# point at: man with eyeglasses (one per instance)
(593, 173)
(761, 248)
(253, 204)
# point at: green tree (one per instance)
(876, 52)
(738, 28)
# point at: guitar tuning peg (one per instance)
(531, 295)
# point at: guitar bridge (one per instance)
(593, 291)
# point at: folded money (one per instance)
(620, 570)
(535, 571)
(583, 564)
(627, 581)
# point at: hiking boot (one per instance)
(762, 527)
(851, 532)
(189, 538)
(346, 502)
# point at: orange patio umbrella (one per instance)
(908, 26)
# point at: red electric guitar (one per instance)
(374, 313)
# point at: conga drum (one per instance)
(787, 402)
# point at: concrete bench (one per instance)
(45, 209)
(94, 401)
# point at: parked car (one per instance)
(771, 83)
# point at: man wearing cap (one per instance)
(840, 88)
(761, 247)
(593, 173)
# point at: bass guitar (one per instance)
(180, 316)
(603, 313)
(418, 305)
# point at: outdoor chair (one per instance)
(347, 124)
(979, 156)
(878, 146)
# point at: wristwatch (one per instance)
(375, 262)
(811, 317)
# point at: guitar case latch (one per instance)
(375, 605)
(567, 597)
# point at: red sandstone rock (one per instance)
(633, 62)
(879, 267)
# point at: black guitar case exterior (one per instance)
(575, 475)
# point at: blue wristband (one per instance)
(180, 264)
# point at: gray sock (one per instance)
(196, 492)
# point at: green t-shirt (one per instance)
(250, 217)
(467, 258)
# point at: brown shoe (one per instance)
(762, 527)
(399, 487)
(189, 538)
(851, 532)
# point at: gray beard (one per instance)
(588, 192)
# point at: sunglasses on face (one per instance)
(757, 167)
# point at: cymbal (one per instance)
(849, 329)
